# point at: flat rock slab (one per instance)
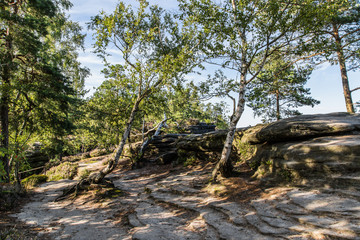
(170, 205)
(304, 126)
(67, 219)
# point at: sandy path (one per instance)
(172, 204)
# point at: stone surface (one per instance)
(313, 150)
(304, 126)
(170, 205)
(208, 142)
(330, 160)
(321, 152)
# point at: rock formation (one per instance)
(321, 149)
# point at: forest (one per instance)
(272, 45)
(156, 150)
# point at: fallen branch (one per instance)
(146, 143)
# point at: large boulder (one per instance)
(303, 127)
(319, 149)
(208, 142)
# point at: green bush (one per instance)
(98, 152)
(191, 160)
(65, 170)
(84, 173)
(33, 180)
(13, 233)
(244, 150)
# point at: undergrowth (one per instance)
(65, 170)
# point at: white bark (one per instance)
(146, 143)
(113, 163)
(224, 165)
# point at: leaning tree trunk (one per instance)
(98, 177)
(344, 76)
(4, 118)
(147, 141)
(224, 166)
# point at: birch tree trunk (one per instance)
(278, 117)
(99, 176)
(224, 166)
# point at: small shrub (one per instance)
(286, 175)
(65, 170)
(85, 155)
(84, 173)
(244, 150)
(13, 233)
(98, 152)
(33, 180)
(191, 160)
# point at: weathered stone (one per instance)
(318, 160)
(303, 127)
(208, 142)
(325, 203)
(263, 227)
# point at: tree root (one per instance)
(74, 189)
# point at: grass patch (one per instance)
(84, 173)
(245, 151)
(33, 181)
(13, 233)
(65, 170)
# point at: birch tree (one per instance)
(242, 36)
(150, 51)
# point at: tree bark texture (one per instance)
(224, 166)
(4, 118)
(343, 70)
(278, 117)
(4, 104)
(98, 177)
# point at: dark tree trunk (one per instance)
(4, 116)
(343, 70)
(4, 105)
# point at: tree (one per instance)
(338, 40)
(279, 88)
(153, 53)
(242, 36)
(35, 91)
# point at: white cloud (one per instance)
(90, 59)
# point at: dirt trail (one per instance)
(173, 204)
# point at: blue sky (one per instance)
(325, 82)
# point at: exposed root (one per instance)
(83, 185)
(74, 189)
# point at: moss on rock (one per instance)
(34, 180)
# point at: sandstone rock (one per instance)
(208, 142)
(303, 127)
(35, 155)
(329, 160)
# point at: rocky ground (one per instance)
(318, 154)
(165, 202)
